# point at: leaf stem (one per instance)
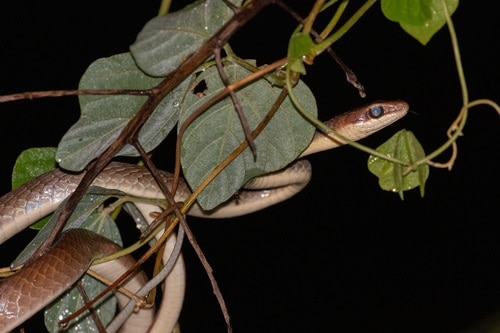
(320, 47)
(164, 7)
(335, 19)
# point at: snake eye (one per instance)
(376, 112)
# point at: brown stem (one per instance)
(236, 102)
(61, 93)
(192, 239)
(92, 311)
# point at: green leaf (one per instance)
(103, 117)
(217, 132)
(404, 146)
(71, 301)
(165, 41)
(32, 163)
(414, 12)
(300, 44)
(420, 19)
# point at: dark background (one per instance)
(343, 255)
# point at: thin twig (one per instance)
(236, 102)
(192, 239)
(61, 93)
(92, 311)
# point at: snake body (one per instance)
(25, 205)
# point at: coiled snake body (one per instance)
(42, 280)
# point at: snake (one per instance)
(41, 280)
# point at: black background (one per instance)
(341, 256)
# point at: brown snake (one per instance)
(42, 280)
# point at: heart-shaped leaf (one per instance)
(218, 131)
(103, 117)
(165, 41)
(421, 19)
(404, 146)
